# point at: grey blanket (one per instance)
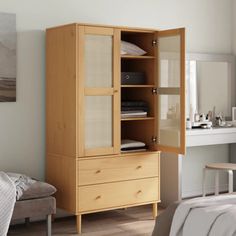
(208, 216)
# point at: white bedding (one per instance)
(209, 216)
(7, 202)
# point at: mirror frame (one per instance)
(228, 58)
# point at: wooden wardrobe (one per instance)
(84, 127)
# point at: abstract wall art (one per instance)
(7, 57)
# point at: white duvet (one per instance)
(208, 216)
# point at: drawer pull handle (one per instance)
(139, 167)
(140, 191)
(98, 171)
(98, 197)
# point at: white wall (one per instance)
(22, 141)
(234, 26)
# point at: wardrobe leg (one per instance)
(154, 210)
(78, 223)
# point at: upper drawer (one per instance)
(110, 169)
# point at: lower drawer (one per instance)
(118, 194)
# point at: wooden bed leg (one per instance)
(78, 223)
(154, 210)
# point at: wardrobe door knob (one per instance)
(98, 197)
(98, 171)
(139, 191)
(139, 167)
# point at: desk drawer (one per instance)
(110, 169)
(112, 195)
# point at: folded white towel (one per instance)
(129, 143)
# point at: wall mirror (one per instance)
(210, 81)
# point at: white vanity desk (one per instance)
(183, 174)
(213, 136)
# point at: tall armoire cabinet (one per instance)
(84, 126)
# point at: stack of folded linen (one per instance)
(129, 145)
(134, 109)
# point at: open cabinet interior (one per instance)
(138, 79)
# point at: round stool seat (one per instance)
(221, 166)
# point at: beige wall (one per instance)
(22, 136)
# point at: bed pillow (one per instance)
(38, 190)
(131, 49)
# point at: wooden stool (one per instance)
(229, 167)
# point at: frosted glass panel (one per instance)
(98, 61)
(98, 121)
(169, 54)
(169, 120)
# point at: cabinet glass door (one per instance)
(101, 91)
(171, 91)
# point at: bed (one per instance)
(203, 216)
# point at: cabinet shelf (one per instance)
(138, 86)
(137, 118)
(136, 57)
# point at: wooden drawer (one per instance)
(118, 194)
(110, 169)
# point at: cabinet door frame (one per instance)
(82, 91)
(168, 33)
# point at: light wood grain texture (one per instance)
(61, 172)
(94, 30)
(99, 151)
(117, 91)
(61, 91)
(79, 223)
(221, 166)
(182, 93)
(111, 169)
(181, 148)
(103, 196)
(154, 210)
(136, 57)
(113, 91)
(138, 86)
(101, 178)
(80, 88)
(124, 28)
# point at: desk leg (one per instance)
(230, 173)
(204, 182)
(216, 182)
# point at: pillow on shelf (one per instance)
(131, 49)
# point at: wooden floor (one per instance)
(136, 221)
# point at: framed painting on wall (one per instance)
(7, 57)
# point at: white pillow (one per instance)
(131, 49)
